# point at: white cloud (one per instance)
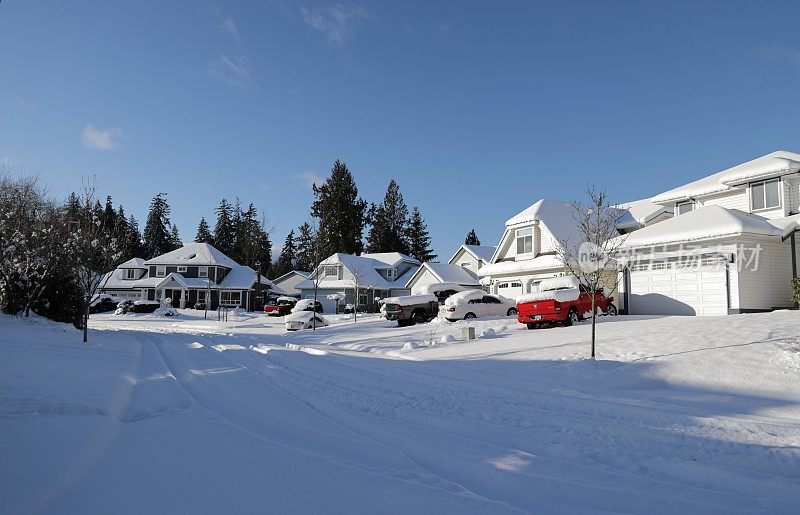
(336, 20)
(234, 71)
(229, 26)
(100, 139)
(308, 179)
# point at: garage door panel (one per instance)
(681, 291)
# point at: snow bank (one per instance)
(166, 311)
(463, 297)
(410, 300)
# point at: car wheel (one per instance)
(530, 326)
(512, 312)
(572, 317)
(469, 315)
(403, 323)
(419, 317)
(611, 310)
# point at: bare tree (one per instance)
(359, 269)
(592, 260)
(94, 247)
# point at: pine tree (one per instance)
(109, 218)
(175, 238)
(472, 238)
(389, 223)
(203, 232)
(419, 238)
(307, 257)
(157, 237)
(341, 213)
(131, 238)
(224, 230)
(286, 260)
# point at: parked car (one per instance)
(476, 303)
(103, 304)
(441, 290)
(307, 305)
(145, 306)
(282, 307)
(561, 300)
(410, 309)
(304, 320)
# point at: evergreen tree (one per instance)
(224, 230)
(419, 238)
(389, 223)
(73, 206)
(341, 213)
(175, 238)
(306, 249)
(203, 232)
(472, 238)
(109, 218)
(286, 261)
(133, 242)
(157, 237)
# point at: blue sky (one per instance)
(477, 109)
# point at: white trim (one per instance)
(200, 271)
(161, 270)
(181, 269)
(779, 181)
(684, 203)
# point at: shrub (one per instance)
(796, 290)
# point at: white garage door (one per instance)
(510, 289)
(666, 289)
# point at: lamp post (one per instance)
(258, 283)
(208, 297)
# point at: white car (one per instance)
(474, 304)
(304, 320)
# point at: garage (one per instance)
(510, 289)
(671, 288)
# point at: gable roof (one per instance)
(707, 222)
(480, 252)
(202, 254)
(133, 263)
(243, 278)
(639, 213)
(556, 217)
(285, 276)
(771, 165)
(366, 266)
(446, 273)
(388, 259)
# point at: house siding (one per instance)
(462, 256)
(737, 200)
(768, 286)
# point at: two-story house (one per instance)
(195, 273)
(461, 269)
(728, 248)
(378, 275)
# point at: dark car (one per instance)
(103, 304)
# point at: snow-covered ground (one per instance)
(679, 415)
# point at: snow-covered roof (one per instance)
(194, 254)
(147, 282)
(447, 273)
(243, 278)
(639, 213)
(186, 282)
(366, 266)
(773, 164)
(289, 274)
(543, 262)
(481, 252)
(556, 216)
(133, 263)
(708, 222)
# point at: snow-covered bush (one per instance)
(796, 290)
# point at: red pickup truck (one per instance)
(560, 300)
(282, 307)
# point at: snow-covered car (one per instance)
(304, 320)
(441, 290)
(307, 305)
(103, 304)
(476, 303)
(561, 300)
(410, 309)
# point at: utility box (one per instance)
(467, 333)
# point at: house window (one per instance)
(130, 273)
(465, 264)
(525, 241)
(390, 273)
(202, 271)
(330, 271)
(230, 298)
(161, 271)
(765, 195)
(181, 269)
(685, 207)
(201, 295)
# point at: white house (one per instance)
(527, 252)
(379, 275)
(461, 269)
(729, 247)
(194, 273)
(288, 282)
